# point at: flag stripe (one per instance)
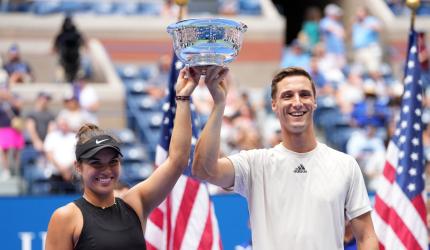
(383, 231)
(157, 218)
(420, 207)
(396, 202)
(206, 239)
(149, 246)
(395, 221)
(197, 221)
(169, 222)
(186, 206)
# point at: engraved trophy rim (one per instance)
(206, 21)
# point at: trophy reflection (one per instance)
(203, 42)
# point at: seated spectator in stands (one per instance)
(87, 96)
(18, 70)
(40, 120)
(59, 147)
(158, 82)
(368, 148)
(350, 92)
(333, 33)
(328, 65)
(11, 137)
(371, 110)
(295, 55)
(310, 34)
(228, 7)
(74, 114)
(365, 40)
(170, 9)
(324, 88)
(67, 45)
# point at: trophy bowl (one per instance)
(210, 41)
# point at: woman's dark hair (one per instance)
(290, 71)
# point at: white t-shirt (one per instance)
(298, 200)
(88, 97)
(62, 147)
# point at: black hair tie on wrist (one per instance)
(182, 98)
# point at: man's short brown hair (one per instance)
(290, 71)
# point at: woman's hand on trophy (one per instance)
(216, 82)
(186, 82)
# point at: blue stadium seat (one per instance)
(29, 156)
(126, 136)
(150, 9)
(338, 135)
(128, 8)
(128, 72)
(249, 7)
(45, 8)
(134, 153)
(103, 8)
(132, 173)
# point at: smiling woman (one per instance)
(99, 220)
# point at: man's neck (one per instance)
(300, 143)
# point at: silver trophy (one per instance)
(211, 41)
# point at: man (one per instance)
(18, 70)
(366, 41)
(299, 191)
(40, 120)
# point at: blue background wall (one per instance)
(24, 220)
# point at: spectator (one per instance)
(170, 9)
(371, 110)
(160, 78)
(67, 44)
(11, 137)
(59, 146)
(333, 33)
(40, 120)
(87, 96)
(367, 147)
(365, 41)
(350, 92)
(18, 70)
(74, 114)
(295, 55)
(228, 7)
(310, 34)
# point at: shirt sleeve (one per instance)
(241, 173)
(357, 200)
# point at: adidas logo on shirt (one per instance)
(300, 169)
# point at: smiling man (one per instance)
(299, 192)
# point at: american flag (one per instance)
(400, 211)
(186, 218)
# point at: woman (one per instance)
(11, 136)
(98, 220)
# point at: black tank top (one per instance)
(114, 228)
